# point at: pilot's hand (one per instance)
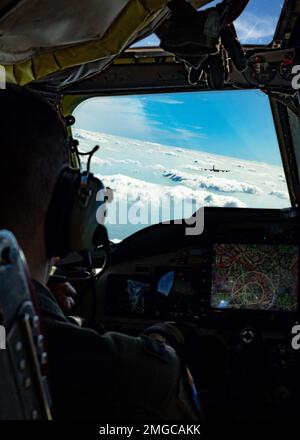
(64, 294)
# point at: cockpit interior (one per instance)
(199, 149)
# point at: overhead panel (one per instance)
(39, 37)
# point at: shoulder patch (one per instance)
(157, 349)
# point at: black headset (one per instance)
(75, 218)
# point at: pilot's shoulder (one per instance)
(146, 348)
(156, 349)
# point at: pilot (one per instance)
(111, 376)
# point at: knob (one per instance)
(247, 335)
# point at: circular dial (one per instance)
(259, 71)
(286, 67)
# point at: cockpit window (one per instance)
(256, 25)
(165, 155)
(258, 22)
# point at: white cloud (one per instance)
(155, 171)
(192, 168)
(169, 153)
(125, 161)
(130, 117)
(157, 167)
(142, 192)
(97, 161)
(170, 101)
(211, 182)
(251, 27)
(279, 194)
(118, 116)
(187, 134)
(115, 240)
(163, 99)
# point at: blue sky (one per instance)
(237, 124)
(230, 123)
(256, 25)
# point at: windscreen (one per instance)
(166, 155)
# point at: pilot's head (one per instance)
(33, 150)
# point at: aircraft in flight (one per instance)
(215, 170)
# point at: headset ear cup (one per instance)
(85, 218)
(72, 221)
(60, 211)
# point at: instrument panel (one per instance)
(200, 281)
(236, 286)
(246, 262)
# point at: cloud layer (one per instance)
(211, 182)
(150, 174)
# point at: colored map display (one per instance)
(261, 277)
